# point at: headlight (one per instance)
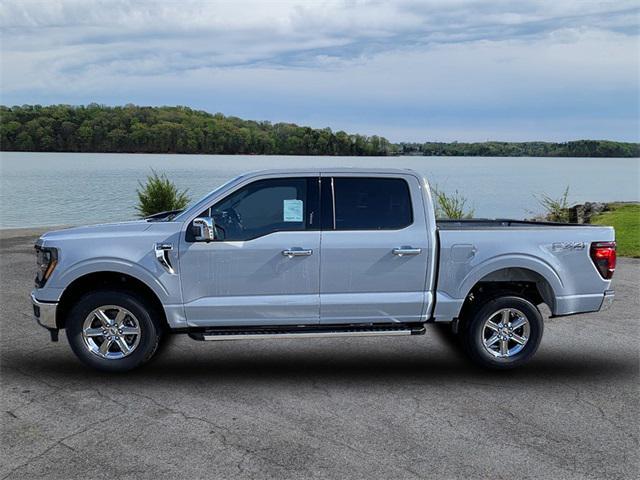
(46, 260)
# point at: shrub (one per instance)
(452, 206)
(159, 194)
(556, 209)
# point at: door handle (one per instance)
(297, 252)
(401, 251)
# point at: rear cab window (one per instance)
(371, 203)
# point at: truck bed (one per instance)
(488, 223)
(555, 255)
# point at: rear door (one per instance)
(374, 249)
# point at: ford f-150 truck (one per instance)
(316, 253)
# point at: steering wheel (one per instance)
(234, 217)
(230, 222)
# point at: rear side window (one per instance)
(371, 203)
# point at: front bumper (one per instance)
(45, 313)
(607, 300)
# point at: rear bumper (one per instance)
(575, 304)
(45, 313)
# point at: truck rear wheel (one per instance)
(503, 333)
(112, 331)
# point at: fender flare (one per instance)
(507, 261)
(113, 265)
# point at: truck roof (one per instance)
(314, 170)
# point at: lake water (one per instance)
(43, 189)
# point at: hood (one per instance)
(101, 230)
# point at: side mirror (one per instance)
(203, 229)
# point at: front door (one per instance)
(375, 250)
(263, 267)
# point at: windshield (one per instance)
(182, 214)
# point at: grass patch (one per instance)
(626, 220)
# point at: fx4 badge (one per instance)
(567, 246)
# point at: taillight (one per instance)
(603, 255)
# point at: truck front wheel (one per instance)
(112, 331)
(503, 333)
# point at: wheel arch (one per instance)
(513, 268)
(524, 282)
(103, 280)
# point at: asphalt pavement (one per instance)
(396, 407)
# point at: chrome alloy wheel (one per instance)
(505, 332)
(111, 332)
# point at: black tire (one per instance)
(149, 328)
(474, 334)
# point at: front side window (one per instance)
(264, 207)
(371, 203)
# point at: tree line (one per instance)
(135, 129)
(577, 148)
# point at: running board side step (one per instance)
(305, 332)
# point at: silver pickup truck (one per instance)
(316, 253)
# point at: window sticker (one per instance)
(292, 211)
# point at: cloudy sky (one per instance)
(408, 70)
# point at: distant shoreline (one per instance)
(177, 154)
(181, 130)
